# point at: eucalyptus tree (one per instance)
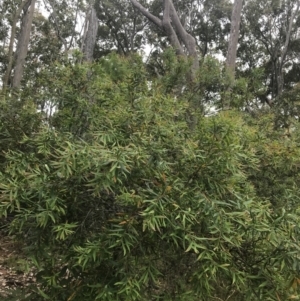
(207, 21)
(4, 28)
(121, 28)
(27, 37)
(211, 25)
(18, 11)
(174, 29)
(63, 17)
(90, 33)
(273, 25)
(234, 36)
(23, 42)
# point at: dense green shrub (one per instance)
(127, 203)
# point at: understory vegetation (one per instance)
(115, 196)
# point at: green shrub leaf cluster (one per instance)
(115, 198)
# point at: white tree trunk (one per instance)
(234, 36)
(90, 37)
(23, 42)
(280, 79)
(175, 31)
(11, 44)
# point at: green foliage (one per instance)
(121, 28)
(248, 89)
(204, 92)
(115, 198)
(17, 118)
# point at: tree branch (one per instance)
(63, 40)
(288, 35)
(147, 14)
(169, 29)
(285, 49)
(188, 40)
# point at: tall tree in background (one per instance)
(4, 32)
(121, 28)
(63, 18)
(10, 56)
(271, 28)
(268, 34)
(171, 25)
(234, 36)
(23, 42)
(210, 24)
(90, 33)
(291, 15)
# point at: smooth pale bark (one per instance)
(11, 44)
(147, 14)
(169, 30)
(285, 49)
(175, 32)
(188, 40)
(22, 46)
(234, 36)
(232, 49)
(90, 35)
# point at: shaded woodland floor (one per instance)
(13, 270)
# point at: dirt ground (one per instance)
(14, 274)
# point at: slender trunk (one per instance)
(234, 36)
(232, 50)
(280, 79)
(188, 40)
(169, 30)
(11, 45)
(176, 34)
(90, 36)
(22, 46)
(55, 17)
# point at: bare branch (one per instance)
(188, 40)
(63, 40)
(285, 49)
(174, 31)
(169, 29)
(75, 23)
(147, 14)
(288, 34)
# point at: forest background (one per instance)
(171, 176)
